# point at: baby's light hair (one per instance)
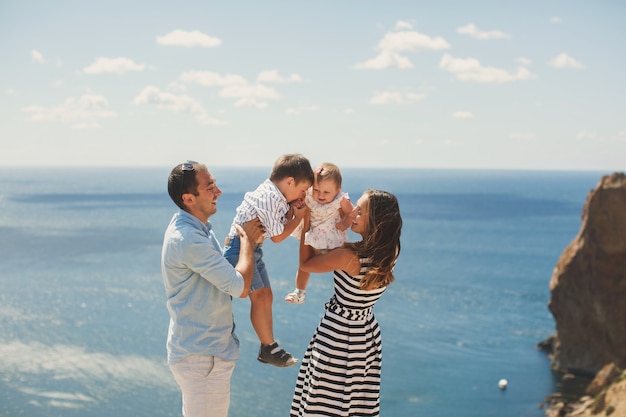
(328, 171)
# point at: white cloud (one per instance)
(211, 79)
(177, 87)
(256, 91)
(386, 60)
(119, 65)
(251, 102)
(411, 41)
(620, 136)
(591, 136)
(471, 30)
(395, 97)
(470, 69)
(462, 114)
(86, 126)
(294, 111)
(451, 64)
(564, 61)
(401, 24)
(523, 136)
(274, 77)
(585, 135)
(86, 109)
(414, 96)
(596, 137)
(233, 86)
(177, 103)
(37, 57)
(188, 39)
(522, 60)
(400, 41)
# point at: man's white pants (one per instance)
(205, 384)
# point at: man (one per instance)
(199, 284)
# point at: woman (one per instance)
(340, 372)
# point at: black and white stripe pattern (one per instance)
(340, 372)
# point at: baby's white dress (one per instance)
(323, 234)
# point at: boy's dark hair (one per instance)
(292, 165)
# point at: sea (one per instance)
(83, 321)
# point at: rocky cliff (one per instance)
(588, 291)
(588, 285)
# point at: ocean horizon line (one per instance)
(347, 167)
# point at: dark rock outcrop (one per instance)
(606, 396)
(588, 285)
(603, 379)
(588, 303)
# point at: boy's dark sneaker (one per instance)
(275, 355)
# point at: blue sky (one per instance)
(446, 84)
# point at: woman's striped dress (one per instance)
(340, 371)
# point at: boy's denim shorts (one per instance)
(260, 279)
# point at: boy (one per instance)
(279, 203)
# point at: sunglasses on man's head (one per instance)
(186, 166)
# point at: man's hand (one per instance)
(253, 230)
(250, 233)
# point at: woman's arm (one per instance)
(336, 259)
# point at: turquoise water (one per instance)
(84, 322)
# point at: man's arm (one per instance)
(250, 234)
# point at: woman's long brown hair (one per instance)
(382, 242)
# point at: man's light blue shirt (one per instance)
(199, 285)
